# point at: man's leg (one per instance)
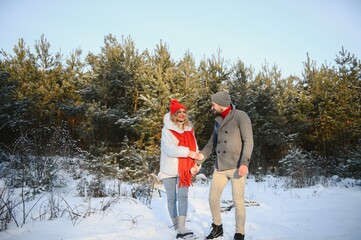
(219, 181)
(238, 185)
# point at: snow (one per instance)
(318, 212)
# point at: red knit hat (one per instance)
(175, 106)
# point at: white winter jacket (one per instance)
(170, 151)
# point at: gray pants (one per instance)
(219, 181)
(174, 195)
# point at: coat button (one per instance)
(225, 141)
(224, 151)
(226, 131)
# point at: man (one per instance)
(232, 139)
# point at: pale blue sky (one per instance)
(280, 32)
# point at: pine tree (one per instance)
(239, 84)
(266, 120)
(348, 98)
(11, 110)
(158, 86)
(329, 106)
(112, 92)
(23, 74)
(214, 74)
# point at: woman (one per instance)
(177, 165)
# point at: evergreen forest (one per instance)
(109, 108)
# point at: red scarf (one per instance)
(225, 112)
(185, 164)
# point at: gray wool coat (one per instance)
(232, 139)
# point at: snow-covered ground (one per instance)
(316, 213)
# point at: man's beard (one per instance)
(215, 113)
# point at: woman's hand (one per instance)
(195, 169)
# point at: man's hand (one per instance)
(243, 170)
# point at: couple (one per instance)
(232, 139)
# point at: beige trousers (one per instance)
(219, 181)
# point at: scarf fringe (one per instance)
(185, 179)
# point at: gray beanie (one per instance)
(221, 98)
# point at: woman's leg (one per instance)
(182, 209)
(170, 185)
(182, 201)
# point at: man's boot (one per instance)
(238, 236)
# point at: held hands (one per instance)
(243, 170)
(195, 155)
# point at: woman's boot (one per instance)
(182, 231)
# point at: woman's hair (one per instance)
(173, 117)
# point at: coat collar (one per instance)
(222, 121)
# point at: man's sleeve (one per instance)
(208, 148)
(247, 138)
